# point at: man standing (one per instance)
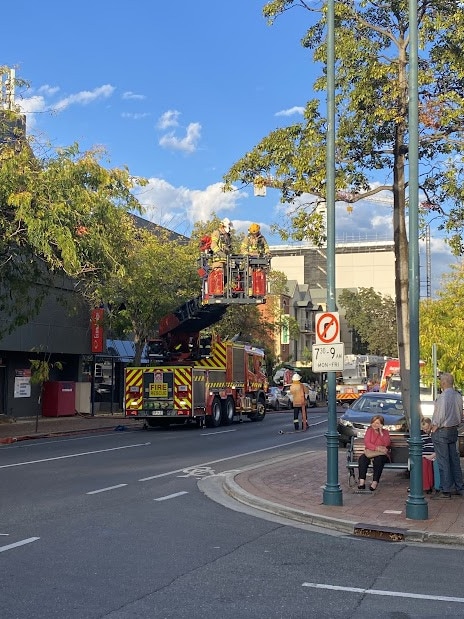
(446, 418)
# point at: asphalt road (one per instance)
(115, 526)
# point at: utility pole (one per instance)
(7, 89)
(12, 122)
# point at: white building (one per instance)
(359, 264)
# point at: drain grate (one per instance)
(378, 532)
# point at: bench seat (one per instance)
(399, 454)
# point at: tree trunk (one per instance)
(401, 239)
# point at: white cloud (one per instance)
(178, 208)
(30, 106)
(168, 119)
(134, 116)
(85, 97)
(48, 90)
(292, 111)
(133, 96)
(187, 144)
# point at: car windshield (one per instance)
(375, 405)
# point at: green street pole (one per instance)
(332, 493)
(416, 505)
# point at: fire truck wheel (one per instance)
(260, 411)
(228, 411)
(214, 420)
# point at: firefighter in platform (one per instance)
(221, 242)
(254, 244)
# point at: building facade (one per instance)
(360, 264)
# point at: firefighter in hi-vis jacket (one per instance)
(221, 242)
(254, 244)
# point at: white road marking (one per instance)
(77, 455)
(247, 453)
(106, 489)
(170, 496)
(23, 542)
(218, 432)
(197, 471)
(400, 594)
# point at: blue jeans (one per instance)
(449, 464)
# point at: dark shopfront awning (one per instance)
(123, 351)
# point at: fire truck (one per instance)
(358, 370)
(192, 377)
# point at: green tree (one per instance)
(373, 316)
(372, 45)
(442, 323)
(61, 214)
(159, 274)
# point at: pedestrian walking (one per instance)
(299, 394)
(447, 416)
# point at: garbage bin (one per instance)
(58, 399)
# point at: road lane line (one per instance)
(399, 594)
(22, 542)
(170, 496)
(106, 489)
(247, 453)
(218, 432)
(77, 455)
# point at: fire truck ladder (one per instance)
(191, 317)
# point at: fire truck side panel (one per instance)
(237, 363)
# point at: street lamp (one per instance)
(416, 505)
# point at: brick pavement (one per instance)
(297, 484)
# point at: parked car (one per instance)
(357, 418)
(276, 400)
(311, 398)
(427, 402)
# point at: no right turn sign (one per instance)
(327, 328)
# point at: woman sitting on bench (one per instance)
(376, 448)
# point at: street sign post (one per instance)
(328, 357)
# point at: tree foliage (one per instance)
(159, 274)
(442, 323)
(64, 213)
(373, 316)
(372, 141)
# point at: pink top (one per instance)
(373, 438)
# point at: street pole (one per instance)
(332, 493)
(416, 505)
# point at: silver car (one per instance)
(276, 399)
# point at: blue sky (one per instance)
(177, 92)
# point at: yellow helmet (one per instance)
(254, 229)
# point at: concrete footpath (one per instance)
(292, 487)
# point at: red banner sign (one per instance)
(96, 323)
